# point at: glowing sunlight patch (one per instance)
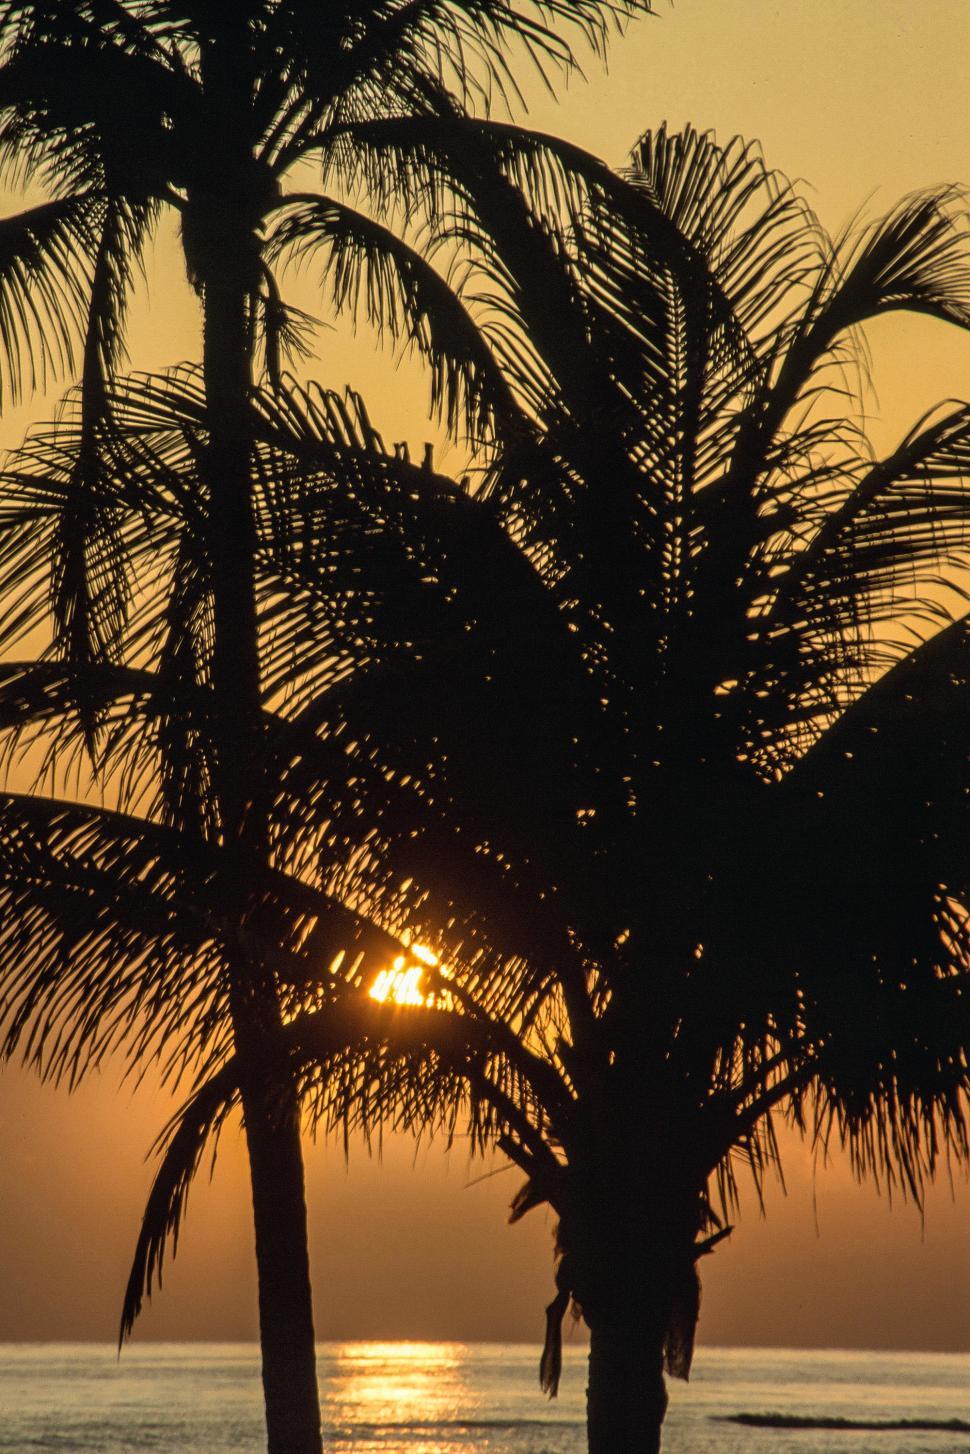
(401, 984)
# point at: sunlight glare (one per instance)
(402, 983)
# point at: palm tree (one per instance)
(117, 938)
(659, 747)
(122, 110)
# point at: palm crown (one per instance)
(121, 111)
(668, 606)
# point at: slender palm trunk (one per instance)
(625, 1399)
(270, 1103)
(285, 1309)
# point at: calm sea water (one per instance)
(447, 1398)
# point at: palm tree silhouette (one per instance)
(117, 937)
(659, 740)
(121, 111)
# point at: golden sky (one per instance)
(865, 100)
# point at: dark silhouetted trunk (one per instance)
(625, 1399)
(269, 1103)
(285, 1310)
(221, 249)
(627, 1239)
(271, 1111)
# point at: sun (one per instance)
(402, 983)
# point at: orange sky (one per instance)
(866, 99)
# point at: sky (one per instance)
(864, 100)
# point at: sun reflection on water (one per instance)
(397, 1394)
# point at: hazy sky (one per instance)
(865, 100)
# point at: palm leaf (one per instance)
(371, 271)
(363, 67)
(184, 1144)
(44, 256)
(106, 912)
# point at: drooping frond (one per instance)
(837, 581)
(372, 273)
(90, 600)
(115, 938)
(44, 266)
(99, 924)
(367, 1062)
(882, 968)
(912, 260)
(183, 1145)
(74, 535)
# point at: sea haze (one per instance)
(445, 1398)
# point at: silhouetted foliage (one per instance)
(654, 730)
(121, 111)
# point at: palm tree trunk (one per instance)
(625, 1399)
(285, 1309)
(270, 1102)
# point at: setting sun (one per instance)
(401, 984)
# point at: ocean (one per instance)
(448, 1398)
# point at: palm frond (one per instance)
(758, 237)
(906, 514)
(371, 271)
(44, 267)
(381, 53)
(72, 127)
(98, 926)
(105, 914)
(90, 590)
(914, 260)
(183, 1145)
(364, 1063)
